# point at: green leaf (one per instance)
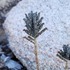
(34, 24)
(40, 32)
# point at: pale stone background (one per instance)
(56, 15)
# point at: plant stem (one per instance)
(66, 66)
(36, 54)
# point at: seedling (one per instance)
(34, 29)
(65, 55)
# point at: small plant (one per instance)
(34, 29)
(64, 54)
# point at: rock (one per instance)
(2, 36)
(57, 20)
(1, 64)
(0, 48)
(8, 61)
(3, 3)
(2, 32)
(6, 5)
(11, 64)
(4, 68)
(2, 19)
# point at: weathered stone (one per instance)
(2, 32)
(4, 3)
(2, 35)
(57, 20)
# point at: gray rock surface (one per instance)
(4, 3)
(56, 15)
(11, 64)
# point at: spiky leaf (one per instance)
(34, 24)
(65, 53)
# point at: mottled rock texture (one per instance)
(4, 3)
(5, 7)
(56, 15)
